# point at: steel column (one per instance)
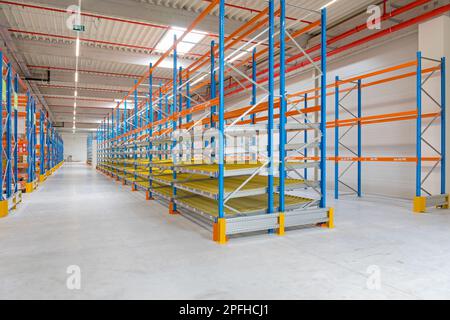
(174, 122)
(213, 93)
(419, 126)
(283, 107)
(443, 125)
(359, 138)
(306, 136)
(42, 143)
(323, 124)
(150, 132)
(28, 135)
(270, 144)
(336, 139)
(16, 137)
(254, 87)
(221, 207)
(8, 132)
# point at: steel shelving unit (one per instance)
(21, 156)
(11, 196)
(89, 144)
(424, 121)
(232, 190)
(31, 132)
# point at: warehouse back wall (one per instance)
(75, 145)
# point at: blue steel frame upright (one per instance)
(423, 198)
(221, 194)
(8, 180)
(32, 143)
(443, 125)
(283, 107)
(338, 139)
(173, 205)
(323, 110)
(421, 202)
(151, 120)
(419, 126)
(11, 195)
(4, 203)
(42, 170)
(270, 113)
(16, 134)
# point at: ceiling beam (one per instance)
(139, 11)
(60, 49)
(18, 61)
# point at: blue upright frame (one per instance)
(336, 138)
(270, 112)
(8, 132)
(419, 126)
(323, 115)
(174, 122)
(1, 126)
(283, 107)
(221, 206)
(42, 143)
(16, 137)
(443, 126)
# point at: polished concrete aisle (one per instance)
(127, 248)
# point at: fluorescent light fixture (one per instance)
(76, 76)
(240, 55)
(198, 80)
(74, 105)
(77, 48)
(75, 112)
(191, 39)
(329, 4)
(75, 93)
(74, 118)
(147, 85)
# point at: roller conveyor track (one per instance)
(234, 187)
(249, 206)
(204, 206)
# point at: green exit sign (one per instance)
(79, 27)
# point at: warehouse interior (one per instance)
(224, 149)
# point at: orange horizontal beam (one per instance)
(368, 159)
(382, 118)
(197, 20)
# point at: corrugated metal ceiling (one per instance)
(111, 33)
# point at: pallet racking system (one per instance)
(90, 139)
(358, 84)
(20, 166)
(44, 147)
(231, 189)
(11, 196)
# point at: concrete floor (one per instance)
(128, 248)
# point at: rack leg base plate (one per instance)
(172, 210)
(29, 187)
(4, 209)
(330, 223)
(219, 231)
(281, 222)
(420, 205)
